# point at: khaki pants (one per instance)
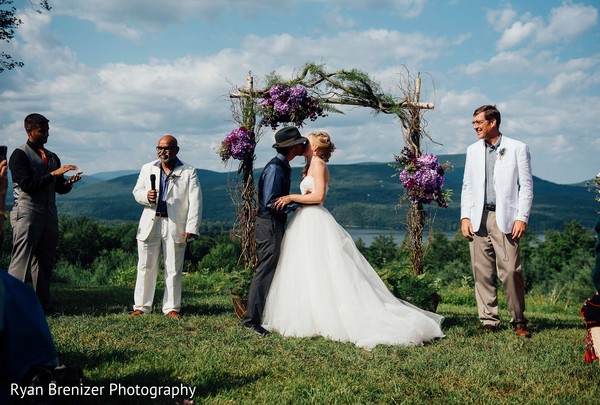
(495, 253)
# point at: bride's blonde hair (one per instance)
(323, 142)
(324, 147)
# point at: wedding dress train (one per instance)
(323, 286)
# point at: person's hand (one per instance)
(281, 202)
(152, 196)
(190, 237)
(519, 228)
(3, 181)
(63, 169)
(74, 179)
(466, 227)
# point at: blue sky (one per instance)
(113, 76)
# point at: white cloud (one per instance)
(403, 8)
(132, 18)
(517, 33)
(39, 48)
(410, 8)
(568, 83)
(335, 18)
(369, 48)
(502, 62)
(502, 18)
(567, 22)
(129, 19)
(559, 144)
(544, 73)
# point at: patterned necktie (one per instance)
(44, 157)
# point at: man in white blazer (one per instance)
(496, 199)
(170, 192)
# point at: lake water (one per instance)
(367, 235)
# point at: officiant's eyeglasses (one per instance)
(159, 148)
(478, 122)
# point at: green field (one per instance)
(208, 350)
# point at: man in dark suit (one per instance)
(274, 182)
(37, 176)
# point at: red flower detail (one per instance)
(590, 356)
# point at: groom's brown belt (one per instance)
(489, 207)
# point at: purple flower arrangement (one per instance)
(423, 177)
(284, 104)
(238, 144)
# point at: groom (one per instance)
(274, 182)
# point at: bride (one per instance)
(323, 286)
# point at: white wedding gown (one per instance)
(323, 286)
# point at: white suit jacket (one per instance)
(513, 184)
(184, 201)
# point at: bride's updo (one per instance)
(323, 141)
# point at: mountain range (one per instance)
(362, 195)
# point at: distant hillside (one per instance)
(361, 195)
(113, 175)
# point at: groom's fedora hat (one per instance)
(288, 136)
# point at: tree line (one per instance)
(557, 265)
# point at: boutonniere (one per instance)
(174, 176)
(501, 153)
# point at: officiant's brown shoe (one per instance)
(521, 330)
(174, 315)
(137, 312)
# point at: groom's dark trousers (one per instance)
(268, 233)
(274, 182)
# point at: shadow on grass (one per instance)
(162, 388)
(93, 301)
(458, 320)
(91, 360)
(195, 303)
(545, 323)
(537, 323)
(104, 300)
(226, 382)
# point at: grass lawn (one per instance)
(209, 351)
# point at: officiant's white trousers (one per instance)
(147, 271)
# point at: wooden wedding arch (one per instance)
(342, 87)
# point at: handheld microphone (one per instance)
(153, 181)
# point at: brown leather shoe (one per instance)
(521, 330)
(490, 328)
(174, 314)
(136, 312)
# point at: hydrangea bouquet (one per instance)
(284, 104)
(238, 144)
(423, 178)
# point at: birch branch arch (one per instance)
(331, 89)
